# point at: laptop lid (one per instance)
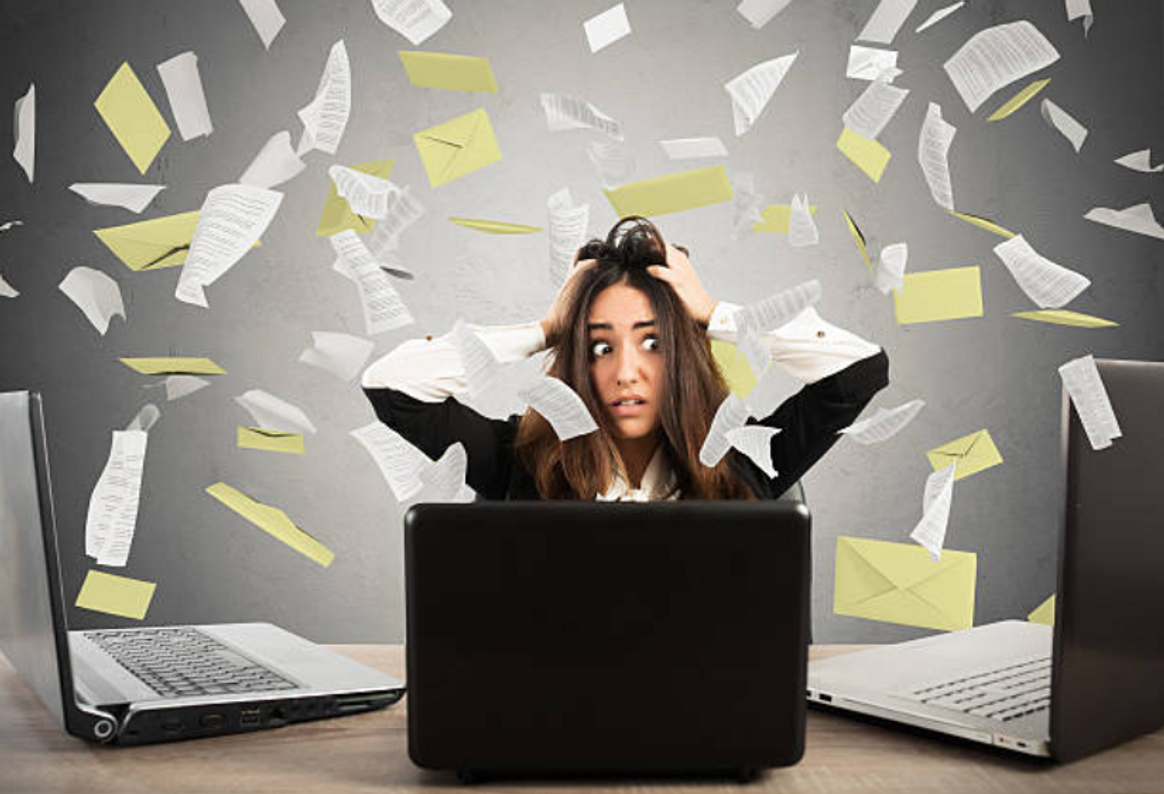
(33, 631)
(606, 637)
(1109, 637)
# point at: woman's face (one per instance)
(626, 362)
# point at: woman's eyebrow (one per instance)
(609, 327)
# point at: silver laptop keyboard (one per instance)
(1001, 693)
(184, 662)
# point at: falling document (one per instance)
(1049, 285)
(113, 503)
(275, 163)
(561, 406)
(96, 295)
(760, 12)
(366, 194)
(265, 17)
(415, 20)
(325, 117)
(1088, 395)
(1065, 123)
(755, 442)
(134, 198)
(874, 108)
(890, 272)
(933, 151)
(886, 21)
(568, 229)
(571, 113)
(481, 367)
(444, 480)
(1140, 161)
(770, 313)
(996, 57)
(1139, 219)
(884, 424)
(272, 413)
(399, 462)
(731, 414)
(343, 355)
(753, 89)
(384, 309)
(183, 86)
(930, 532)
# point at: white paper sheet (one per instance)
(9, 225)
(1049, 285)
(884, 424)
(275, 163)
(869, 63)
(995, 57)
(134, 198)
(1063, 121)
(1077, 9)
(325, 117)
(1140, 161)
(732, 413)
(232, 219)
(343, 355)
(613, 162)
(24, 152)
(271, 413)
(887, 19)
(689, 148)
(760, 12)
(265, 17)
(113, 503)
(607, 28)
(1092, 404)
(183, 86)
(384, 309)
(889, 272)
(145, 418)
(802, 230)
(560, 406)
(403, 210)
(415, 20)
(367, 195)
(571, 113)
(179, 386)
(481, 366)
(7, 290)
(755, 441)
(96, 294)
(399, 462)
(933, 151)
(567, 226)
(939, 15)
(747, 204)
(1138, 219)
(772, 389)
(444, 480)
(930, 532)
(752, 89)
(874, 108)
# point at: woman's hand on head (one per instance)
(553, 322)
(681, 275)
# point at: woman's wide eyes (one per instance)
(651, 343)
(600, 348)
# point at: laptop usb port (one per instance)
(251, 717)
(825, 698)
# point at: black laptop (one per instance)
(552, 638)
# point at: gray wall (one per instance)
(664, 81)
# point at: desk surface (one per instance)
(368, 752)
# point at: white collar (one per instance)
(658, 481)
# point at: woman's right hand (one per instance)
(552, 323)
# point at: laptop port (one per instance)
(277, 716)
(212, 721)
(251, 717)
(172, 726)
(825, 698)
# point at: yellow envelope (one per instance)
(868, 155)
(1044, 613)
(269, 440)
(173, 365)
(900, 583)
(273, 521)
(1018, 100)
(734, 366)
(672, 193)
(776, 218)
(983, 223)
(337, 216)
(1065, 317)
(132, 117)
(116, 595)
(448, 71)
(153, 244)
(458, 147)
(933, 295)
(495, 227)
(858, 239)
(971, 453)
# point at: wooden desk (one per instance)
(368, 752)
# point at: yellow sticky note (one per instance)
(1066, 317)
(984, 223)
(1044, 613)
(448, 71)
(273, 521)
(868, 155)
(495, 227)
(734, 366)
(173, 365)
(858, 239)
(672, 193)
(132, 117)
(932, 295)
(1018, 100)
(971, 453)
(337, 216)
(116, 595)
(900, 583)
(269, 440)
(776, 218)
(458, 147)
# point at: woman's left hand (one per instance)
(680, 274)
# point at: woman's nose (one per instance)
(629, 365)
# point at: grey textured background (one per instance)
(664, 81)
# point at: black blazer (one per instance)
(808, 421)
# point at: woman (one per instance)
(629, 332)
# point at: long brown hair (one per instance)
(692, 388)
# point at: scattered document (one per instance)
(613, 161)
(802, 231)
(1066, 317)
(134, 198)
(1044, 613)
(884, 424)
(261, 438)
(96, 294)
(753, 89)
(865, 153)
(768, 314)
(173, 365)
(1139, 219)
(272, 413)
(24, 152)
(338, 216)
(933, 151)
(1018, 100)
(776, 218)
(9, 225)
(367, 195)
(415, 20)
(887, 19)
(481, 367)
(1049, 285)
(152, 244)
(1061, 120)
(874, 109)
(231, 220)
(890, 272)
(132, 117)
(560, 406)
(972, 453)
(1077, 9)
(858, 240)
(183, 86)
(869, 63)
(275, 163)
(457, 147)
(448, 71)
(996, 57)
(325, 117)
(444, 480)
(747, 205)
(772, 389)
(399, 462)
(690, 148)
(384, 309)
(273, 521)
(571, 113)
(1140, 161)
(495, 227)
(115, 595)
(731, 414)
(607, 28)
(7, 290)
(265, 17)
(179, 386)
(930, 532)
(672, 192)
(932, 295)
(984, 223)
(403, 211)
(568, 225)
(343, 355)
(1088, 395)
(113, 503)
(939, 15)
(760, 12)
(755, 442)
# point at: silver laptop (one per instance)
(141, 685)
(1094, 679)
